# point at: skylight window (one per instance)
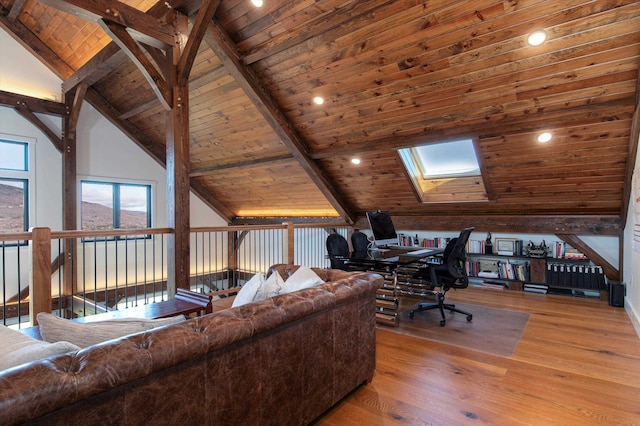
(445, 172)
(447, 159)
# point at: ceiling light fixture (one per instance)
(544, 137)
(257, 3)
(355, 160)
(536, 38)
(318, 100)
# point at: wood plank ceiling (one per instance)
(394, 74)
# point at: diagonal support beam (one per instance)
(157, 81)
(226, 51)
(33, 119)
(610, 271)
(205, 14)
(111, 57)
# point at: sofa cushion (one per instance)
(248, 291)
(17, 349)
(55, 329)
(303, 278)
(273, 286)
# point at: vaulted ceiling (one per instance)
(393, 74)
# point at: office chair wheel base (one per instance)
(469, 317)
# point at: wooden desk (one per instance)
(387, 263)
(394, 257)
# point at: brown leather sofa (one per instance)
(280, 361)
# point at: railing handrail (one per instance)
(16, 236)
(40, 246)
(13, 236)
(110, 233)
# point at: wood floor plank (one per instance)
(577, 362)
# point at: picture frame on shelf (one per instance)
(506, 246)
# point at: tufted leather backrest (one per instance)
(168, 359)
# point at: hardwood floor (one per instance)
(577, 363)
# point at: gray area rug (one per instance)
(492, 330)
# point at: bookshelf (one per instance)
(505, 263)
(567, 271)
(501, 271)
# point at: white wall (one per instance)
(632, 253)
(102, 149)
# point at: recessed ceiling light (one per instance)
(536, 38)
(355, 160)
(544, 137)
(257, 3)
(318, 100)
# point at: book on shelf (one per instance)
(493, 284)
(575, 276)
(538, 286)
(535, 289)
(488, 274)
(409, 240)
(562, 250)
(476, 246)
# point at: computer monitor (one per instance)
(384, 233)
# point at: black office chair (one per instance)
(452, 273)
(360, 244)
(338, 251)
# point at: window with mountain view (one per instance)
(14, 186)
(114, 205)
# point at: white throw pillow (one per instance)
(248, 291)
(17, 348)
(273, 287)
(55, 329)
(304, 277)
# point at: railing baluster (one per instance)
(223, 257)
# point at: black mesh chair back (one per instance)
(452, 273)
(455, 257)
(338, 251)
(360, 244)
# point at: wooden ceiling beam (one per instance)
(512, 224)
(108, 58)
(204, 171)
(40, 106)
(227, 52)
(143, 27)
(101, 64)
